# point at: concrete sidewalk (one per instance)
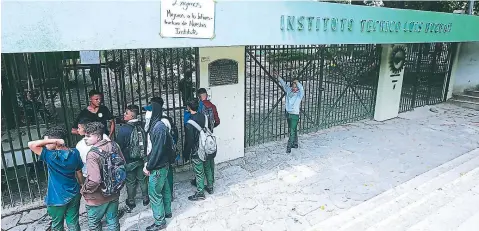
(332, 171)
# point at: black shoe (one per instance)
(197, 196)
(288, 149)
(168, 215)
(193, 182)
(294, 146)
(210, 190)
(155, 227)
(146, 201)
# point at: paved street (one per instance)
(328, 182)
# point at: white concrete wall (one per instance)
(465, 70)
(389, 89)
(229, 100)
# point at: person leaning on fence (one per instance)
(132, 141)
(157, 169)
(64, 178)
(95, 188)
(294, 95)
(96, 112)
(81, 146)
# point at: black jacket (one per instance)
(159, 156)
(192, 135)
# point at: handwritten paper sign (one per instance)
(188, 18)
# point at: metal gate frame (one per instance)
(340, 84)
(425, 63)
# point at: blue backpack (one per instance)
(113, 171)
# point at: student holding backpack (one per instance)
(132, 141)
(201, 145)
(106, 177)
(157, 168)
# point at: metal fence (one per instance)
(44, 89)
(340, 83)
(426, 74)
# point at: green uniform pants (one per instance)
(134, 176)
(204, 169)
(96, 213)
(68, 212)
(293, 129)
(160, 194)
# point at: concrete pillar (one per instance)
(390, 82)
(455, 64)
(229, 100)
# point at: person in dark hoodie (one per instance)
(131, 139)
(191, 148)
(157, 169)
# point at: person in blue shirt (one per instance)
(64, 178)
(294, 95)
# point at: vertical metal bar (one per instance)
(165, 67)
(20, 136)
(250, 115)
(173, 75)
(138, 83)
(158, 70)
(245, 138)
(431, 75)
(130, 73)
(279, 115)
(37, 125)
(254, 96)
(152, 76)
(118, 99)
(143, 62)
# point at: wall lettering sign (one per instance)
(188, 18)
(223, 72)
(333, 24)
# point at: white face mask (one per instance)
(147, 119)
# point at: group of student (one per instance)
(141, 154)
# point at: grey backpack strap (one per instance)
(206, 121)
(196, 125)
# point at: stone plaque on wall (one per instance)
(223, 72)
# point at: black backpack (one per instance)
(112, 170)
(138, 142)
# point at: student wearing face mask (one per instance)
(294, 96)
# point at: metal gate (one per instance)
(43, 89)
(426, 74)
(340, 83)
